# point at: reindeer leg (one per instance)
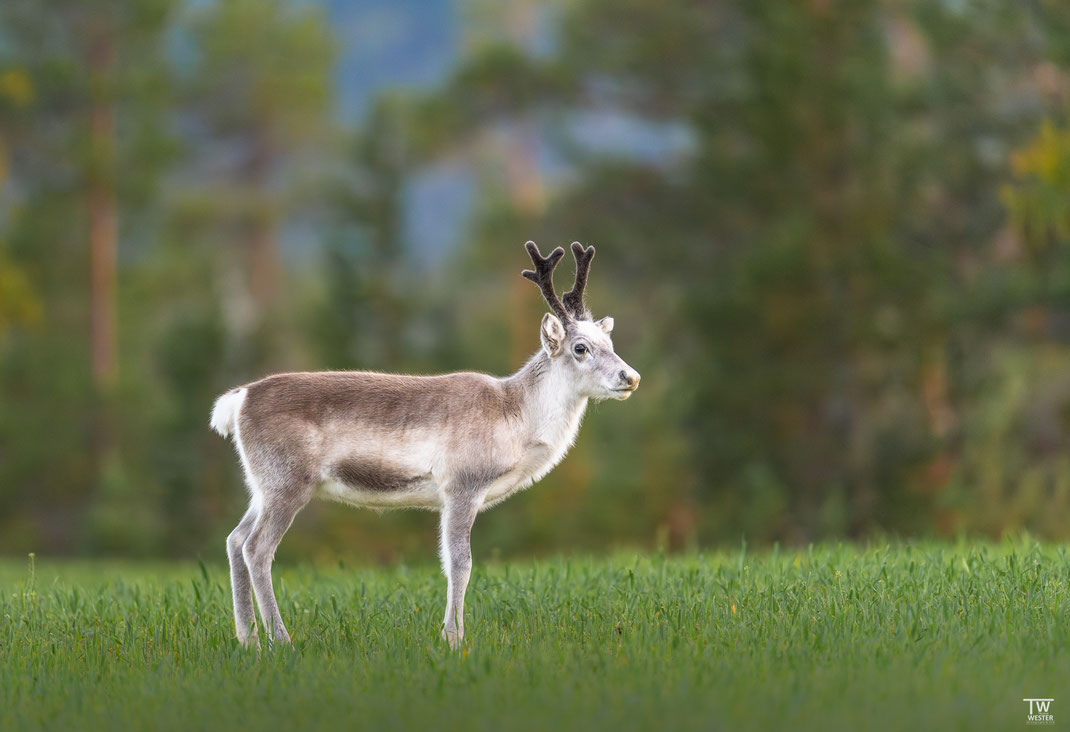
(458, 515)
(240, 583)
(280, 508)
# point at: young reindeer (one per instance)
(456, 443)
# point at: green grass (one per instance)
(943, 637)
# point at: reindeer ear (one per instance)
(606, 324)
(552, 334)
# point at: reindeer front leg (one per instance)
(458, 515)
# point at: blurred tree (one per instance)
(368, 295)
(77, 75)
(816, 187)
(260, 91)
(832, 233)
(1039, 202)
(19, 304)
(1007, 354)
(251, 107)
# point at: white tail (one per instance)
(225, 412)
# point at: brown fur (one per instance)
(573, 299)
(543, 276)
(362, 474)
(385, 400)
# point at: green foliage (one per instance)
(922, 636)
(52, 416)
(821, 258)
(19, 305)
(262, 69)
(1040, 203)
(832, 234)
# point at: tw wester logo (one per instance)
(1040, 711)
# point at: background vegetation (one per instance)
(834, 235)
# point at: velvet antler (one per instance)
(543, 276)
(573, 299)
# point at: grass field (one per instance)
(942, 637)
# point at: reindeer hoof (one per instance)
(251, 643)
(453, 637)
(281, 642)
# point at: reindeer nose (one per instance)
(630, 380)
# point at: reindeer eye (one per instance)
(580, 349)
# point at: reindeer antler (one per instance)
(543, 276)
(573, 299)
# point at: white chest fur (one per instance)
(545, 445)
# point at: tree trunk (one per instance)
(100, 195)
(103, 235)
(262, 251)
(262, 260)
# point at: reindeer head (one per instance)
(580, 348)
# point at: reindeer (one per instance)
(455, 443)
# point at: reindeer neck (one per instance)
(551, 407)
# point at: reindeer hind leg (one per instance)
(279, 508)
(240, 582)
